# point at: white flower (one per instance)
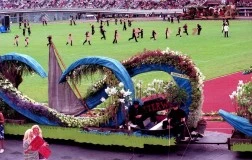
(127, 93)
(107, 90)
(121, 84)
(121, 100)
(113, 91)
(240, 82)
(103, 99)
(231, 96)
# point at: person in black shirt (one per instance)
(199, 28)
(103, 34)
(176, 119)
(116, 35)
(129, 23)
(141, 33)
(172, 19)
(185, 29)
(133, 35)
(23, 31)
(136, 115)
(124, 26)
(178, 18)
(179, 31)
(29, 30)
(167, 33)
(107, 22)
(20, 24)
(93, 30)
(116, 21)
(153, 35)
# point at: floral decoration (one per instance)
(242, 98)
(182, 63)
(41, 109)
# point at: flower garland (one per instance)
(24, 102)
(182, 63)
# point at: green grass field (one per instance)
(211, 52)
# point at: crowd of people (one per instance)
(102, 4)
(244, 3)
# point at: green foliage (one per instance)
(176, 95)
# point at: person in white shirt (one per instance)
(226, 28)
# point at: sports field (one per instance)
(211, 52)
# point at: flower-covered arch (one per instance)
(183, 71)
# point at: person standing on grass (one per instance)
(70, 40)
(116, 36)
(103, 33)
(92, 29)
(185, 29)
(29, 30)
(141, 33)
(24, 32)
(1, 132)
(16, 39)
(154, 34)
(124, 25)
(226, 29)
(133, 35)
(26, 41)
(116, 20)
(167, 33)
(199, 28)
(179, 31)
(88, 37)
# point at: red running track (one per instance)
(217, 91)
(216, 96)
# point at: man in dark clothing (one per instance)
(176, 120)
(93, 30)
(116, 21)
(141, 33)
(129, 23)
(29, 30)
(178, 18)
(136, 114)
(199, 28)
(185, 29)
(124, 26)
(172, 19)
(115, 37)
(23, 31)
(103, 34)
(153, 35)
(179, 31)
(133, 35)
(107, 22)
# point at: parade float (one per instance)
(101, 116)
